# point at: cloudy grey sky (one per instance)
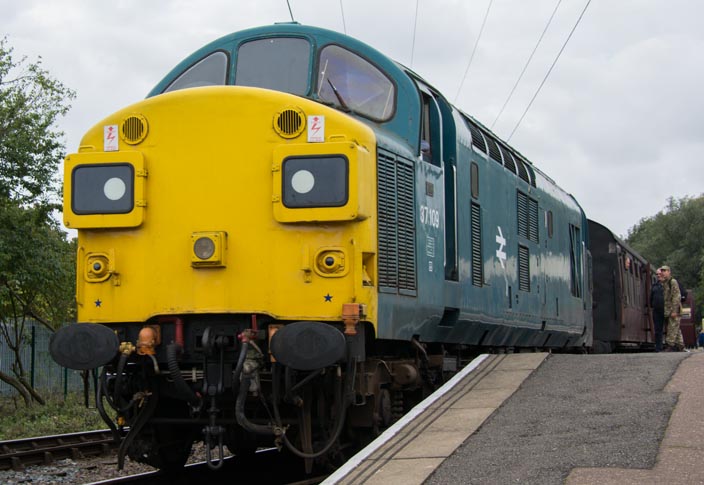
(619, 122)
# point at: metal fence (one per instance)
(44, 374)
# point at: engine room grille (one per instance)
(477, 269)
(522, 171)
(397, 232)
(527, 210)
(523, 268)
(477, 137)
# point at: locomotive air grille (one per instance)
(290, 122)
(493, 149)
(523, 268)
(134, 129)
(477, 137)
(508, 160)
(397, 247)
(477, 269)
(522, 172)
(527, 210)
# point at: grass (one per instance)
(58, 416)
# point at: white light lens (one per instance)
(114, 188)
(302, 181)
(204, 248)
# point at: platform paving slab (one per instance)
(412, 453)
(679, 459)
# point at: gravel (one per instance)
(85, 471)
(574, 411)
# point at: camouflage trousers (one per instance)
(674, 334)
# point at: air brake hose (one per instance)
(238, 367)
(118, 381)
(239, 412)
(343, 393)
(172, 351)
(101, 408)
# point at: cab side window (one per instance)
(209, 71)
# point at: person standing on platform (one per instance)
(671, 294)
(657, 303)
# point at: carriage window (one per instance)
(279, 63)
(350, 83)
(209, 71)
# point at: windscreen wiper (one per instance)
(337, 94)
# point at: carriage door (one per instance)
(438, 147)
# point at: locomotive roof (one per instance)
(404, 122)
(403, 126)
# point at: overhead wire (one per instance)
(474, 50)
(290, 11)
(344, 25)
(530, 58)
(549, 71)
(415, 26)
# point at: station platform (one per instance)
(411, 449)
(651, 403)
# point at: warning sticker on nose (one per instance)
(316, 129)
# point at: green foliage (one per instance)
(37, 270)
(57, 417)
(37, 275)
(30, 148)
(675, 237)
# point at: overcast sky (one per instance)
(619, 123)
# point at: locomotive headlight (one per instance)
(320, 181)
(204, 248)
(102, 189)
(208, 249)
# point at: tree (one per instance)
(30, 148)
(37, 281)
(36, 261)
(675, 237)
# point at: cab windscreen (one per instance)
(102, 189)
(315, 181)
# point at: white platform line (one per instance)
(390, 432)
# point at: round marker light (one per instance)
(303, 181)
(204, 248)
(114, 188)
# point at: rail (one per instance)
(44, 450)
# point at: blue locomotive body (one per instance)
(476, 245)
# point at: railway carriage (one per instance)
(293, 238)
(622, 307)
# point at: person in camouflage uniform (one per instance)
(671, 292)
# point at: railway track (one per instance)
(265, 466)
(17, 454)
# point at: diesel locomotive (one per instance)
(293, 238)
